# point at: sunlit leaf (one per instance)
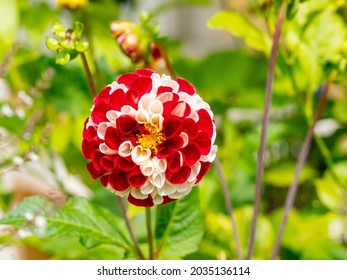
(240, 26)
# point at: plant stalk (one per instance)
(264, 131)
(130, 229)
(89, 75)
(229, 207)
(149, 233)
(299, 165)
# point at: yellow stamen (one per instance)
(151, 140)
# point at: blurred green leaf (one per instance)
(240, 26)
(330, 192)
(282, 174)
(179, 226)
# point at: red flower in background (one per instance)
(149, 137)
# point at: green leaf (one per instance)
(76, 218)
(63, 57)
(330, 192)
(282, 174)
(16, 217)
(240, 26)
(94, 225)
(179, 226)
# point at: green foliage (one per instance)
(42, 116)
(179, 227)
(238, 25)
(76, 218)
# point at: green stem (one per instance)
(229, 207)
(149, 233)
(299, 165)
(265, 126)
(130, 229)
(89, 75)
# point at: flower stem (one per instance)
(229, 207)
(265, 126)
(130, 229)
(89, 75)
(299, 165)
(149, 233)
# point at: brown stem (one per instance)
(89, 75)
(149, 233)
(229, 207)
(299, 165)
(130, 229)
(265, 126)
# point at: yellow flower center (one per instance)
(152, 139)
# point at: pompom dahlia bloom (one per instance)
(149, 138)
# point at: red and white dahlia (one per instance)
(149, 137)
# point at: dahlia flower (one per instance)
(149, 137)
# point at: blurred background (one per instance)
(43, 107)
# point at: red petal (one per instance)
(136, 178)
(172, 127)
(87, 148)
(99, 113)
(205, 122)
(145, 72)
(167, 200)
(118, 181)
(116, 100)
(191, 128)
(191, 154)
(103, 96)
(178, 177)
(127, 78)
(170, 147)
(125, 164)
(204, 143)
(142, 85)
(126, 124)
(205, 166)
(185, 86)
(93, 171)
(174, 162)
(181, 109)
(132, 98)
(104, 180)
(107, 162)
(163, 89)
(112, 138)
(148, 202)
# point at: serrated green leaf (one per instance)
(179, 227)
(240, 26)
(16, 217)
(94, 225)
(63, 57)
(76, 218)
